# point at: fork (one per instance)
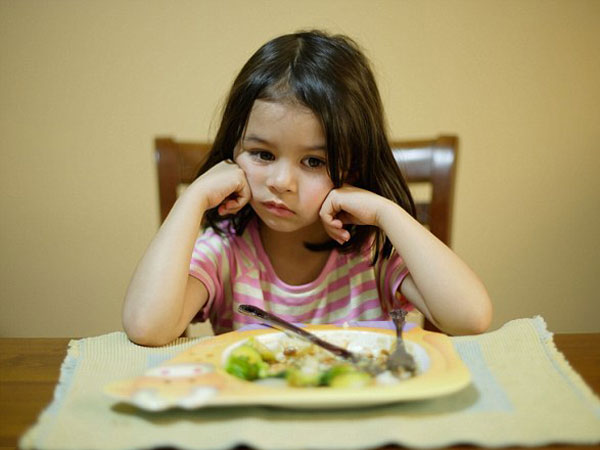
(400, 360)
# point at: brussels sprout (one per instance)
(264, 352)
(247, 352)
(335, 371)
(253, 360)
(245, 362)
(350, 379)
(302, 378)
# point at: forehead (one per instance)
(284, 123)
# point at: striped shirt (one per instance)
(236, 270)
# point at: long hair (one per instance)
(331, 76)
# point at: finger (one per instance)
(346, 218)
(336, 233)
(336, 223)
(331, 224)
(222, 210)
(232, 206)
(328, 212)
(245, 193)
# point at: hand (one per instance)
(349, 205)
(225, 186)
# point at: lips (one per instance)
(278, 208)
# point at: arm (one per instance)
(162, 298)
(439, 283)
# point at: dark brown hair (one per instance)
(331, 76)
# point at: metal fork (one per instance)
(400, 359)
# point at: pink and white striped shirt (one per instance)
(236, 270)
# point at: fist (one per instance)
(349, 205)
(224, 186)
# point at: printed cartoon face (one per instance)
(188, 385)
(283, 153)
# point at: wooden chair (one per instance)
(432, 162)
(429, 161)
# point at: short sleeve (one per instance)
(210, 265)
(391, 273)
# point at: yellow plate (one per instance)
(196, 378)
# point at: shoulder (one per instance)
(363, 261)
(212, 235)
(226, 240)
(211, 241)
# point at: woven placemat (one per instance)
(523, 393)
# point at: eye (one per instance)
(314, 163)
(262, 155)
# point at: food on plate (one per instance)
(295, 363)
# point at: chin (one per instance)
(281, 225)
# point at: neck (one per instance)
(292, 261)
(292, 241)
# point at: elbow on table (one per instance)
(479, 317)
(474, 319)
(142, 334)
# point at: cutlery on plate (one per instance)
(400, 359)
(361, 361)
(277, 322)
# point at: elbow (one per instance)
(144, 339)
(479, 317)
(474, 318)
(479, 326)
(144, 335)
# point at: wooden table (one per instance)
(29, 370)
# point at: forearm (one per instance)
(154, 302)
(449, 292)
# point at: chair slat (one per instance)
(429, 160)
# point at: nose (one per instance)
(281, 178)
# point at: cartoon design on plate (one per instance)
(180, 370)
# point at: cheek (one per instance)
(316, 191)
(254, 177)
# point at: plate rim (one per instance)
(447, 374)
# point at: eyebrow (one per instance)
(260, 140)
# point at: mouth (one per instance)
(278, 209)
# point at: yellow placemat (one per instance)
(523, 393)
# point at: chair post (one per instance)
(167, 163)
(442, 176)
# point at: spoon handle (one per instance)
(277, 322)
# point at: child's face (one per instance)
(283, 155)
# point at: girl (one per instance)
(303, 211)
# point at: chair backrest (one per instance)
(431, 161)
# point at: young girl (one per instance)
(301, 210)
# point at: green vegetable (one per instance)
(245, 362)
(335, 371)
(253, 360)
(247, 352)
(264, 352)
(350, 379)
(302, 378)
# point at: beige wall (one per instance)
(85, 87)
